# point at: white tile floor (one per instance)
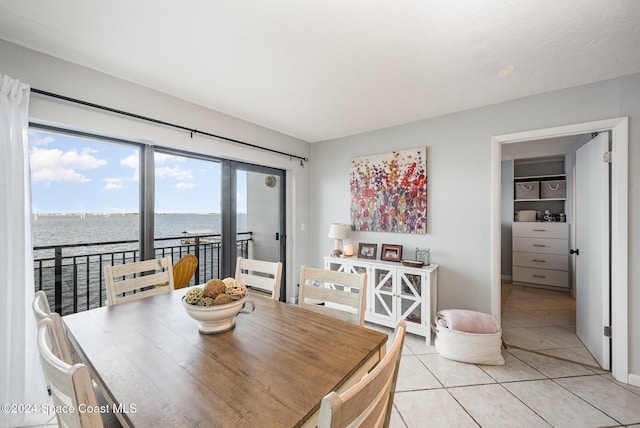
(530, 390)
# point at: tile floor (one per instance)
(530, 390)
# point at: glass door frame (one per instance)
(229, 215)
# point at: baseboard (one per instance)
(634, 379)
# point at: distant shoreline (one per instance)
(111, 214)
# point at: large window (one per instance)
(85, 199)
(188, 210)
(75, 179)
(100, 201)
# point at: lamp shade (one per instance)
(337, 231)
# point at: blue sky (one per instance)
(76, 175)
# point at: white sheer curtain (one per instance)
(21, 379)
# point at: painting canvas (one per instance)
(389, 192)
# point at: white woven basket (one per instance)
(469, 347)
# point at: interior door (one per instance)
(593, 245)
(259, 219)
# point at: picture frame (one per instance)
(367, 251)
(392, 253)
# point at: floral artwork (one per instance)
(389, 192)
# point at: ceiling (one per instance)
(320, 70)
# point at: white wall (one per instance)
(53, 75)
(459, 188)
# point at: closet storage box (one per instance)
(553, 189)
(527, 190)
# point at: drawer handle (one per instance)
(540, 230)
(539, 276)
(539, 261)
(539, 245)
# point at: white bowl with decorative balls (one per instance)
(215, 319)
(216, 305)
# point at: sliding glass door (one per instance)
(258, 213)
(100, 201)
(187, 216)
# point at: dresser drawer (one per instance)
(556, 278)
(541, 245)
(541, 230)
(541, 260)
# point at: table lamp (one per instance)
(338, 232)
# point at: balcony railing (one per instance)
(72, 275)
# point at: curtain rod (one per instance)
(164, 123)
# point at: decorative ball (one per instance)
(228, 280)
(207, 301)
(236, 289)
(214, 287)
(222, 299)
(194, 295)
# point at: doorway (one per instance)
(619, 222)
(258, 211)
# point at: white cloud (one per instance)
(49, 165)
(161, 158)
(132, 161)
(38, 139)
(175, 173)
(183, 185)
(114, 183)
(167, 167)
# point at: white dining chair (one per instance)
(260, 275)
(42, 310)
(337, 294)
(62, 349)
(40, 306)
(136, 280)
(369, 402)
(71, 385)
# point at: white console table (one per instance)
(395, 292)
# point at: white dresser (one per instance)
(541, 254)
(395, 292)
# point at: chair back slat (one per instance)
(261, 275)
(139, 279)
(337, 294)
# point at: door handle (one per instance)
(576, 252)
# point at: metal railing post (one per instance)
(58, 280)
(197, 254)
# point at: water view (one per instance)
(65, 229)
(80, 265)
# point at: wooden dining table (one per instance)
(271, 370)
